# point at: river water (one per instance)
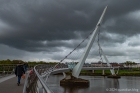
(98, 84)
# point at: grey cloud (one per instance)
(134, 44)
(6, 52)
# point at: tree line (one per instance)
(8, 61)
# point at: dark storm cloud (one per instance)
(7, 52)
(38, 22)
(119, 12)
(111, 39)
(124, 26)
(50, 25)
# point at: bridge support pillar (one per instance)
(114, 76)
(73, 81)
(93, 71)
(103, 72)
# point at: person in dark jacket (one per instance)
(25, 66)
(19, 71)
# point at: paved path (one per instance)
(4, 78)
(9, 85)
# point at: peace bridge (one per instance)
(36, 79)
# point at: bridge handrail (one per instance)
(46, 88)
(35, 78)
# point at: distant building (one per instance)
(98, 64)
(87, 65)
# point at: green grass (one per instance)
(131, 72)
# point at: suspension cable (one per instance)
(72, 50)
(98, 41)
(76, 47)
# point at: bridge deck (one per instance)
(10, 85)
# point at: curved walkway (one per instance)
(9, 85)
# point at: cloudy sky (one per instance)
(47, 30)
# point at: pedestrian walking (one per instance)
(19, 71)
(25, 66)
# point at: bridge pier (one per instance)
(114, 76)
(93, 71)
(103, 72)
(74, 82)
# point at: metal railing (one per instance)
(36, 79)
(6, 69)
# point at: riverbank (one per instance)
(130, 72)
(106, 74)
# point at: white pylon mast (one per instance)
(77, 69)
